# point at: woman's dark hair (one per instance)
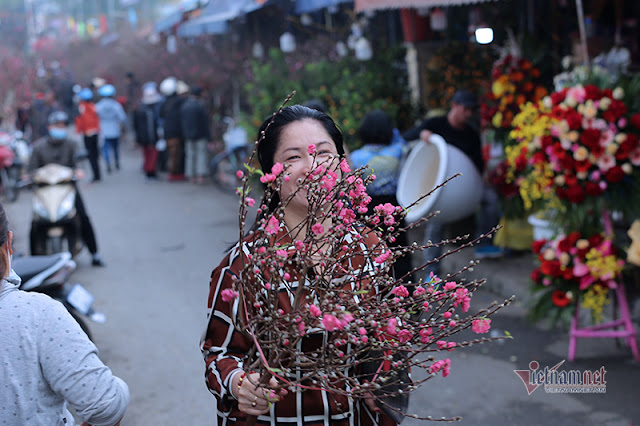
(376, 128)
(4, 234)
(273, 126)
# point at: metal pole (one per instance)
(583, 33)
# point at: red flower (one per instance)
(560, 299)
(614, 174)
(595, 240)
(551, 267)
(536, 276)
(635, 120)
(593, 189)
(576, 194)
(546, 141)
(574, 119)
(537, 245)
(592, 92)
(590, 137)
(558, 97)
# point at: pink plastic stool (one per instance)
(603, 330)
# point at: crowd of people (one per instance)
(171, 117)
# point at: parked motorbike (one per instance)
(225, 164)
(56, 225)
(51, 275)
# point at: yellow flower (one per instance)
(612, 148)
(595, 298)
(497, 119)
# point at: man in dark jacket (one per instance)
(146, 121)
(59, 149)
(172, 126)
(196, 133)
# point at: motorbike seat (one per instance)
(29, 266)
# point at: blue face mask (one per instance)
(57, 133)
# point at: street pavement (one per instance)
(161, 240)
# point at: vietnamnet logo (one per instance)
(562, 381)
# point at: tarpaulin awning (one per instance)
(215, 16)
(174, 16)
(362, 5)
(308, 6)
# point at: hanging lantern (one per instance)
(438, 20)
(363, 49)
(257, 50)
(287, 42)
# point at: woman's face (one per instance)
(292, 152)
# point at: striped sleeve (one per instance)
(223, 346)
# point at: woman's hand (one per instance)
(253, 400)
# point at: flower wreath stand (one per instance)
(609, 329)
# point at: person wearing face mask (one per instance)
(46, 361)
(59, 149)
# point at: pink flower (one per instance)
(317, 229)
(228, 294)
(362, 331)
(450, 285)
(301, 328)
(287, 276)
(383, 257)
(347, 216)
(441, 344)
(344, 166)
(443, 365)
(404, 336)
(391, 326)
(635, 157)
(481, 326)
(299, 245)
(315, 311)
(452, 323)
(239, 174)
(400, 291)
(272, 226)
(425, 335)
(389, 220)
(385, 209)
(268, 177)
(447, 315)
(330, 322)
(277, 169)
(419, 291)
(311, 148)
(281, 252)
(250, 201)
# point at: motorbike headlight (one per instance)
(66, 205)
(40, 210)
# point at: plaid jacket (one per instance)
(225, 350)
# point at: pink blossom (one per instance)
(299, 245)
(391, 326)
(447, 315)
(277, 169)
(301, 328)
(239, 174)
(267, 286)
(287, 276)
(451, 345)
(250, 201)
(286, 178)
(268, 177)
(605, 162)
(404, 336)
(419, 291)
(272, 226)
(385, 209)
(441, 344)
(364, 339)
(383, 257)
(330, 322)
(443, 365)
(481, 325)
(228, 294)
(450, 285)
(344, 166)
(362, 331)
(425, 335)
(281, 253)
(311, 148)
(389, 220)
(347, 216)
(362, 210)
(462, 298)
(452, 323)
(317, 229)
(400, 291)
